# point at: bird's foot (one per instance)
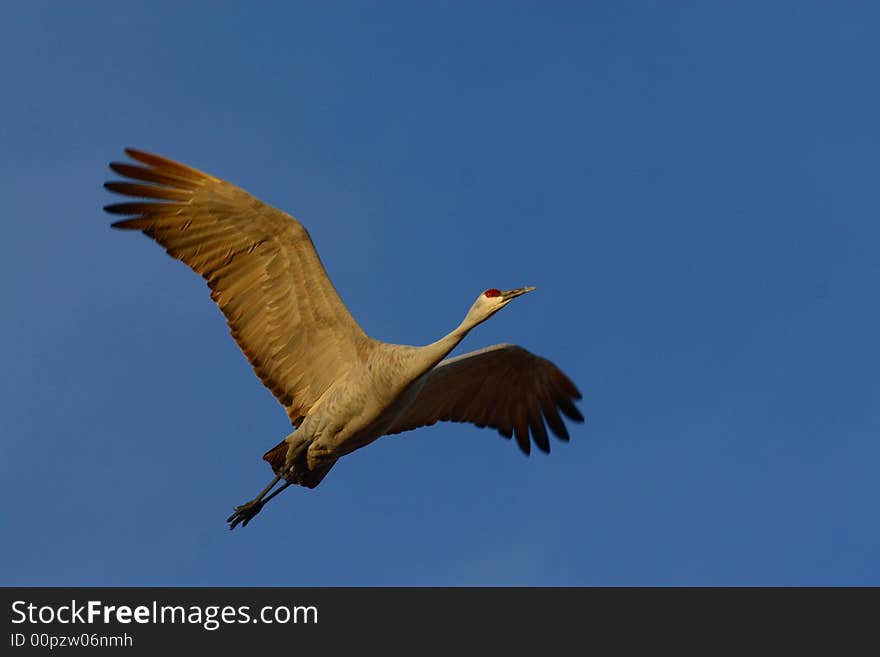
(244, 513)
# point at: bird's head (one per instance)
(491, 301)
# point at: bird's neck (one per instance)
(433, 353)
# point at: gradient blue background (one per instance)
(693, 188)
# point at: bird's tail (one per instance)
(277, 456)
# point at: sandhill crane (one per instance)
(341, 389)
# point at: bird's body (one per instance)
(341, 388)
(358, 408)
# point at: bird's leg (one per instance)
(277, 490)
(245, 512)
(248, 510)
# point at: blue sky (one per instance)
(691, 186)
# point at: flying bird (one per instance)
(341, 388)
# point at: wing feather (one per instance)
(261, 266)
(504, 387)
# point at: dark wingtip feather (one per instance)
(114, 208)
(128, 224)
(152, 192)
(539, 433)
(521, 431)
(542, 443)
(166, 166)
(126, 208)
(139, 155)
(121, 167)
(166, 176)
(570, 410)
(557, 426)
(567, 385)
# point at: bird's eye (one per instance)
(492, 292)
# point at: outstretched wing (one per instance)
(504, 387)
(262, 268)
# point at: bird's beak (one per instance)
(507, 295)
